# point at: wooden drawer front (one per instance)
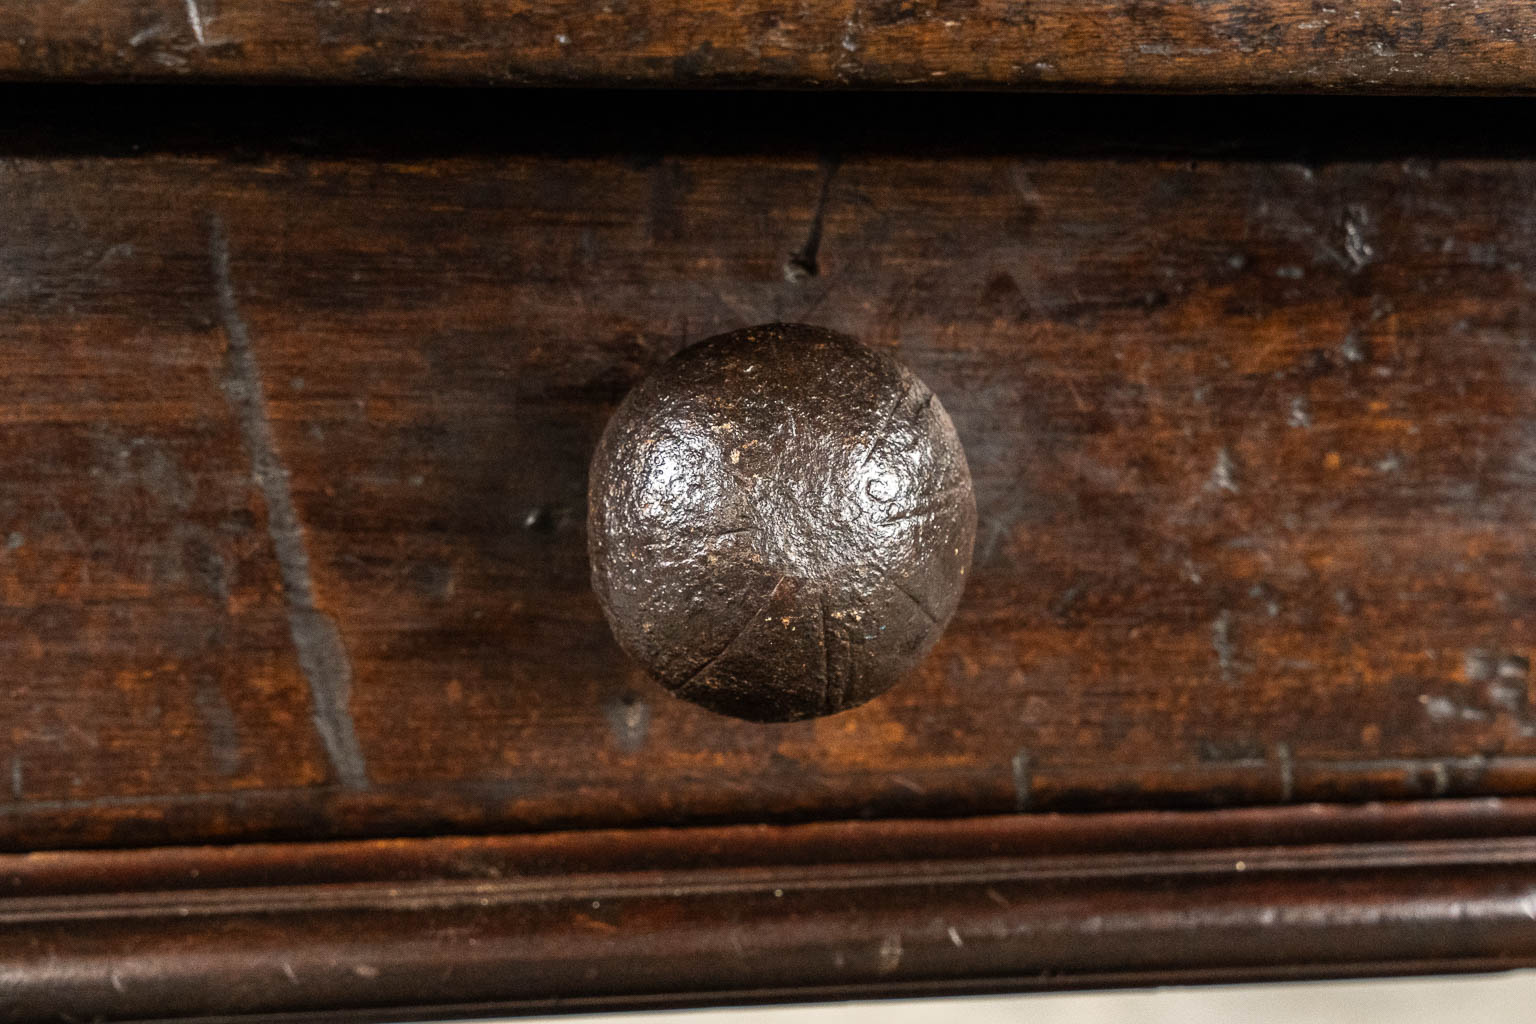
(293, 453)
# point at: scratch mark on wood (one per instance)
(852, 27)
(317, 643)
(1224, 473)
(1301, 413)
(1287, 772)
(195, 19)
(89, 739)
(1021, 780)
(1224, 643)
(16, 776)
(145, 35)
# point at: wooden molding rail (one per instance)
(655, 917)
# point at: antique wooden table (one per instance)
(308, 707)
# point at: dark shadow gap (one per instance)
(252, 123)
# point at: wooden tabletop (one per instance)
(1182, 45)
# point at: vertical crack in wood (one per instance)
(317, 642)
(804, 262)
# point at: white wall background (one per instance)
(1487, 999)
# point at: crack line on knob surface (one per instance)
(739, 634)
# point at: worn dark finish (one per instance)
(1250, 439)
(779, 521)
(298, 393)
(405, 929)
(1208, 45)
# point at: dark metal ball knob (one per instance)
(780, 521)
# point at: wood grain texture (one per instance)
(456, 926)
(1251, 438)
(1222, 45)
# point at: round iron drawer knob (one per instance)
(779, 522)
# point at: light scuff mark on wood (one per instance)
(629, 721)
(195, 19)
(317, 642)
(1287, 766)
(1021, 766)
(890, 953)
(1224, 473)
(1224, 644)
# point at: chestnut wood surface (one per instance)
(1201, 45)
(295, 415)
